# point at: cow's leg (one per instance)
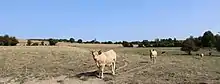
(151, 58)
(102, 70)
(99, 69)
(154, 60)
(113, 68)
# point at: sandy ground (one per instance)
(74, 65)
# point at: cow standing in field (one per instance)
(210, 52)
(163, 52)
(153, 55)
(201, 55)
(103, 59)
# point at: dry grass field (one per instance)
(75, 65)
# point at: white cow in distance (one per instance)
(201, 55)
(153, 55)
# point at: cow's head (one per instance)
(96, 53)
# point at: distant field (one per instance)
(97, 45)
(74, 65)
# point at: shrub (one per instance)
(146, 43)
(42, 42)
(189, 46)
(130, 45)
(72, 40)
(35, 44)
(198, 42)
(109, 42)
(218, 43)
(52, 41)
(135, 42)
(14, 41)
(6, 40)
(29, 42)
(140, 45)
(208, 39)
(79, 41)
(118, 42)
(126, 44)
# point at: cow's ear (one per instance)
(92, 51)
(100, 52)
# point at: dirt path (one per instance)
(125, 65)
(126, 62)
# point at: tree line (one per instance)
(190, 44)
(156, 43)
(208, 40)
(53, 41)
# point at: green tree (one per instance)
(35, 44)
(119, 42)
(174, 40)
(94, 41)
(6, 36)
(79, 41)
(140, 45)
(135, 42)
(198, 42)
(52, 41)
(42, 43)
(1, 41)
(6, 40)
(127, 44)
(208, 39)
(29, 42)
(109, 42)
(14, 41)
(217, 45)
(146, 43)
(189, 45)
(72, 40)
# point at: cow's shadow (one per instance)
(87, 74)
(144, 62)
(91, 74)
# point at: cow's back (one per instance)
(110, 56)
(153, 53)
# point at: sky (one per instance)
(113, 20)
